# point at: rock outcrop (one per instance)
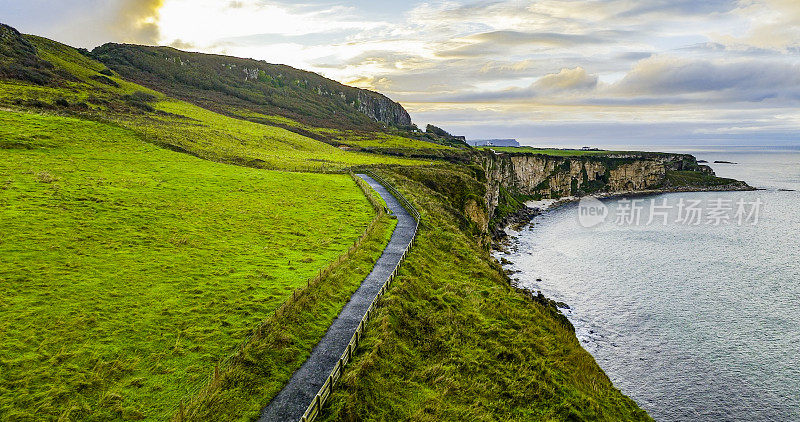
(546, 176)
(382, 109)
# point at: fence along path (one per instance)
(303, 396)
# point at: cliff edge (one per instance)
(513, 178)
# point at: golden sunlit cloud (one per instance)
(138, 21)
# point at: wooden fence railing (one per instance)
(326, 390)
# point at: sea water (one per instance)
(694, 320)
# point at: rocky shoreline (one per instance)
(525, 214)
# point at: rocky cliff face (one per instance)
(543, 176)
(382, 109)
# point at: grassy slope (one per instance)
(268, 361)
(179, 124)
(253, 90)
(353, 138)
(453, 341)
(696, 179)
(226, 139)
(128, 271)
(552, 151)
(78, 88)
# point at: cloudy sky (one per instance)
(604, 72)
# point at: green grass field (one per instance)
(267, 362)
(346, 137)
(552, 151)
(129, 271)
(226, 139)
(695, 179)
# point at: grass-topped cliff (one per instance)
(515, 175)
(159, 205)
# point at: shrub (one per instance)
(105, 80)
(140, 96)
(26, 74)
(141, 105)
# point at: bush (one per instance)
(36, 103)
(142, 105)
(26, 74)
(105, 80)
(140, 96)
(61, 102)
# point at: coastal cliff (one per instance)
(512, 178)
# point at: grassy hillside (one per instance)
(129, 271)
(220, 138)
(300, 101)
(83, 86)
(453, 341)
(40, 73)
(678, 179)
(215, 81)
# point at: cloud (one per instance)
(567, 83)
(775, 24)
(565, 80)
(498, 42)
(507, 38)
(137, 21)
(748, 80)
(634, 55)
(182, 45)
(681, 7)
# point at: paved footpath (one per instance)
(291, 403)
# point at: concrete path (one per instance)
(291, 403)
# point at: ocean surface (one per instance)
(694, 315)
